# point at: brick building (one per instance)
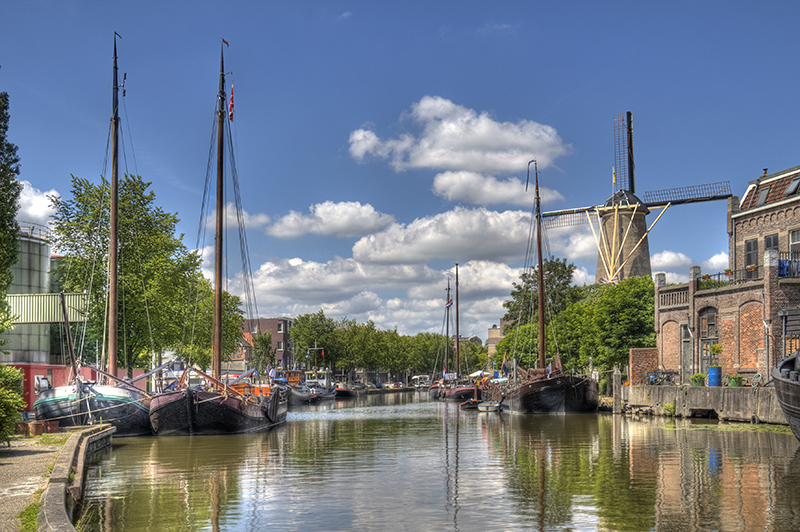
(749, 308)
(279, 328)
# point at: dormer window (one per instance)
(762, 196)
(792, 188)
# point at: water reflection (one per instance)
(400, 462)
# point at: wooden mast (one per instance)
(539, 258)
(446, 325)
(216, 364)
(113, 227)
(458, 353)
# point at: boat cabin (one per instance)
(294, 377)
(318, 378)
(421, 382)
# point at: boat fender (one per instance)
(754, 420)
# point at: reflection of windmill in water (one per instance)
(619, 226)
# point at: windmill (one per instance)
(619, 225)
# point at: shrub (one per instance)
(11, 401)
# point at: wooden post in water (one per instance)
(617, 391)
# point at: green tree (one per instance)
(10, 189)
(523, 308)
(263, 354)
(623, 318)
(164, 301)
(11, 401)
(317, 330)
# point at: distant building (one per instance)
(495, 335)
(752, 308)
(280, 329)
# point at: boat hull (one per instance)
(125, 409)
(788, 392)
(198, 411)
(171, 412)
(563, 394)
(460, 393)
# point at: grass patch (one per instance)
(30, 515)
(56, 438)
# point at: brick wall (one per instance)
(642, 362)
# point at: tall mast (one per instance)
(458, 359)
(446, 324)
(539, 258)
(216, 364)
(113, 229)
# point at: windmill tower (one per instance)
(619, 225)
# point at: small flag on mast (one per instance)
(449, 303)
(230, 108)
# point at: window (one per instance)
(762, 196)
(750, 252)
(254, 327)
(280, 345)
(771, 242)
(280, 326)
(708, 323)
(794, 243)
(792, 188)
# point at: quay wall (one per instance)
(746, 404)
(65, 486)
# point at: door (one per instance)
(687, 364)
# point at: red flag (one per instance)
(230, 108)
(323, 353)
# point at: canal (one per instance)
(401, 462)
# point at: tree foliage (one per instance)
(601, 323)
(348, 343)
(164, 300)
(523, 307)
(10, 189)
(263, 354)
(11, 401)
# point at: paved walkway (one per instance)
(24, 468)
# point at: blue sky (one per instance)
(379, 143)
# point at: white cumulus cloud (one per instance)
(346, 219)
(34, 205)
(232, 219)
(454, 137)
(471, 233)
(480, 189)
(717, 263)
(670, 260)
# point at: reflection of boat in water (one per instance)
(786, 376)
(546, 389)
(218, 408)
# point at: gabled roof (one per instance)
(770, 189)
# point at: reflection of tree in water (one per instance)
(553, 463)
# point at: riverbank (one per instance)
(743, 404)
(25, 468)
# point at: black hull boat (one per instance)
(560, 394)
(787, 389)
(96, 403)
(546, 389)
(199, 411)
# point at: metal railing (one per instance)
(730, 277)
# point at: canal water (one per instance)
(401, 462)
